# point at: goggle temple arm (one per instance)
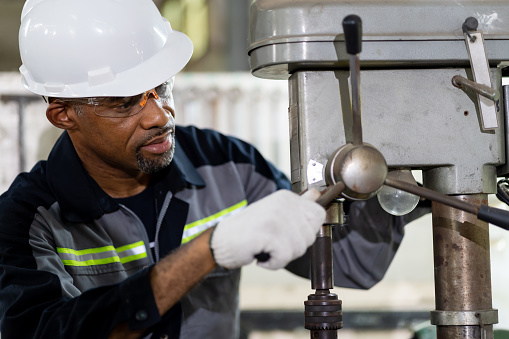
(146, 96)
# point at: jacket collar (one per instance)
(79, 196)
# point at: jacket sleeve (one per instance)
(35, 304)
(364, 247)
(259, 176)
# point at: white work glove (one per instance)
(283, 225)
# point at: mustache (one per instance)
(156, 133)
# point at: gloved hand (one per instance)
(283, 224)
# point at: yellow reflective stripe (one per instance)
(133, 257)
(102, 255)
(192, 230)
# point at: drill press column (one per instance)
(462, 273)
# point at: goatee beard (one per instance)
(154, 165)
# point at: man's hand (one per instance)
(283, 225)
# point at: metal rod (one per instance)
(321, 260)
(355, 71)
(323, 315)
(330, 193)
(433, 196)
(505, 89)
(486, 91)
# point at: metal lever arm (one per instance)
(485, 91)
(489, 214)
(352, 28)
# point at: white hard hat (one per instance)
(93, 48)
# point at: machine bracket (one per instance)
(481, 72)
(315, 172)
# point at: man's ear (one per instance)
(61, 115)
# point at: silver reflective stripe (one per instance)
(132, 252)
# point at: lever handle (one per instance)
(262, 257)
(470, 24)
(494, 216)
(352, 28)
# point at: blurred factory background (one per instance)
(217, 91)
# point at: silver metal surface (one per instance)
(362, 169)
(471, 318)
(415, 117)
(288, 35)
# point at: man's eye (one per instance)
(123, 105)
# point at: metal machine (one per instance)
(433, 99)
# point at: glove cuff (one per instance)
(223, 249)
(210, 244)
(219, 248)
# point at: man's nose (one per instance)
(156, 113)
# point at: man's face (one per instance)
(141, 143)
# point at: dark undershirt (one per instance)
(144, 206)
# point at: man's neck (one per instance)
(117, 180)
(120, 188)
(117, 183)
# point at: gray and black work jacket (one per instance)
(74, 263)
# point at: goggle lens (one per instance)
(129, 106)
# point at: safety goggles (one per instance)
(123, 107)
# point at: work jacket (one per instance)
(74, 263)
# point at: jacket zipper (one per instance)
(160, 218)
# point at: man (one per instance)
(134, 225)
